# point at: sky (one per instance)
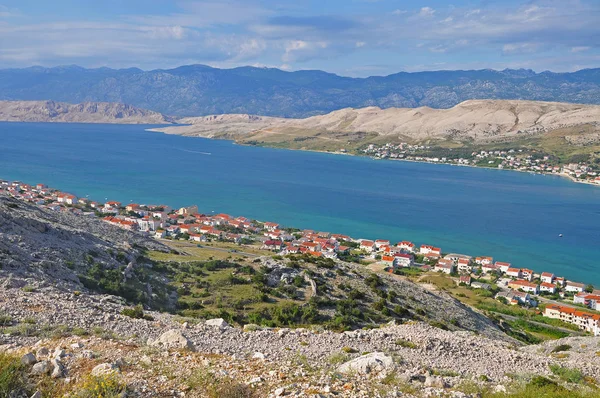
(348, 37)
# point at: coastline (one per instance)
(64, 206)
(564, 175)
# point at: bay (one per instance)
(514, 217)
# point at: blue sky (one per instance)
(347, 37)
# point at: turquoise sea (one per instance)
(511, 216)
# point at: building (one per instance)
(526, 274)
(389, 261)
(503, 266)
(484, 260)
(548, 287)
(183, 211)
(525, 286)
(481, 285)
(584, 320)
(404, 260)
(407, 246)
(466, 279)
(489, 268)
(513, 272)
(547, 277)
(445, 266)
(574, 287)
(427, 249)
(515, 297)
(464, 266)
(367, 245)
(380, 243)
(588, 299)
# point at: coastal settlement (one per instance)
(579, 169)
(513, 285)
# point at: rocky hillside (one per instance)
(201, 90)
(474, 121)
(61, 336)
(56, 246)
(57, 343)
(87, 112)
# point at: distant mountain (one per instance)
(201, 90)
(88, 112)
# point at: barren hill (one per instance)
(477, 121)
(87, 112)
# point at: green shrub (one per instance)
(561, 347)
(405, 343)
(12, 375)
(566, 374)
(136, 312)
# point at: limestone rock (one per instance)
(218, 323)
(28, 359)
(173, 339)
(374, 363)
(41, 368)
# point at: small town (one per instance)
(569, 301)
(511, 159)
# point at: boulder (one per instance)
(173, 339)
(42, 352)
(218, 323)
(28, 359)
(374, 363)
(57, 369)
(41, 368)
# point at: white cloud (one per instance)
(399, 12)
(426, 12)
(360, 44)
(520, 48)
(578, 49)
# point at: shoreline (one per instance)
(563, 175)
(54, 193)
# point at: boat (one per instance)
(560, 235)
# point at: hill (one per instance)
(201, 90)
(473, 122)
(88, 112)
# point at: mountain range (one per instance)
(88, 112)
(195, 90)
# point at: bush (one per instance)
(136, 312)
(101, 386)
(405, 343)
(561, 347)
(566, 374)
(12, 375)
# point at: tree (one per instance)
(589, 288)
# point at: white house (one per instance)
(367, 245)
(513, 272)
(574, 287)
(464, 265)
(547, 287)
(427, 249)
(503, 266)
(404, 260)
(547, 277)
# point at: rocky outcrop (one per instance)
(87, 112)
